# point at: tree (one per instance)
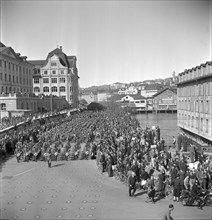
(94, 106)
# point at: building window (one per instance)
(9, 78)
(45, 72)
(3, 106)
(192, 121)
(5, 77)
(206, 129)
(45, 89)
(54, 89)
(0, 63)
(196, 107)
(197, 122)
(201, 124)
(61, 71)
(36, 89)
(53, 64)
(45, 80)
(0, 76)
(36, 80)
(62, 89)
(62, 80)
(63, 97)
(13, 78)
(53, 71)
(54, 80)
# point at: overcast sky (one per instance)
(114, 41)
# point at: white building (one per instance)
(15, 72)
(129, 91)
(57, 75)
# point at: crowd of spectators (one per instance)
(120, 144)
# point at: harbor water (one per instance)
(167, 123)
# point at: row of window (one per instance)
(46, 72)
(53, 89)
(202, 89)
(14, 67)
(46, 80)
(202, 106)
(15, 79)
(9, 89)
(197, 123)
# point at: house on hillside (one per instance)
(151, 89)
(130, 90)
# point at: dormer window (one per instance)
(53, 64)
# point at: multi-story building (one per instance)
(16, 87)
(165, 100)
(57, 75)
(15, 72)
(194, 92)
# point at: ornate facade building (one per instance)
(57, 75)
(195, 103)
(15, 72)
(16, 87)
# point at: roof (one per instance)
(37, 62)
(193, 68)
(2, 45)
(174, 90)
(11, 50)
(134, 96)
(65, 60)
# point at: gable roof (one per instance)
(65, 60)
(134, 96)
(4, 49)
(174, 90)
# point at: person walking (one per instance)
(167, 213)
(174, 141)
(48, 158)
(132, 184)
(177, 188)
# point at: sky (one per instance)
(114, 41)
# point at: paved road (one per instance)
(76, 190)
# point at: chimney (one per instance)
(61, 48)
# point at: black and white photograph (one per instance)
(106, 109)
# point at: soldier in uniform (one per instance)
(48, 158)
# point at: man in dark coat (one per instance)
(177, 188)
(196, 193)
(132, 184)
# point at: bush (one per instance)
(94, 106)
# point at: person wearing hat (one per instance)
(167, 213)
